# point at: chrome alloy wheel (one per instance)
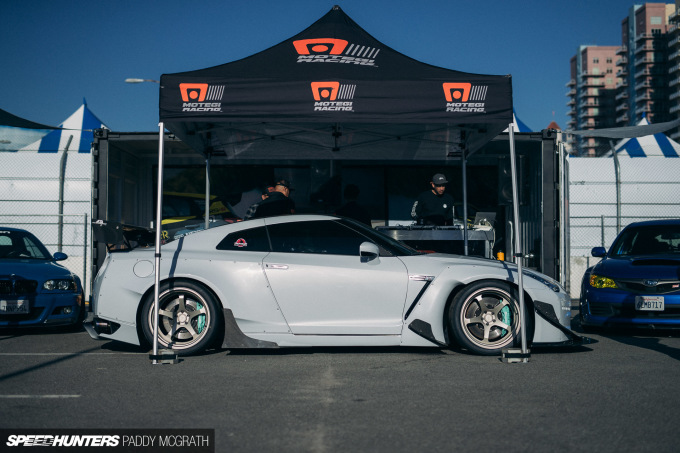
(489, 318)
(184, 318)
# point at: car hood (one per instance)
(29, 268)
(657, 267)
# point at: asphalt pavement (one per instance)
(618, 394)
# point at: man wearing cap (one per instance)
(434, 207)
(277, 203)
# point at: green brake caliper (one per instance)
(200, 320)
(505, 318)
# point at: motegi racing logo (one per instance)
(459, 95)
(330, 50)
(201, 97)
(333, 96)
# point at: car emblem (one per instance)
(651, 282)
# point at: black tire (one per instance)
(190, 319)
(484, 318)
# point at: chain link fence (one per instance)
(48, 194)
(606, 194)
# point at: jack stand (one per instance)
(515, 356)
(165, 357)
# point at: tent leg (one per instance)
(465, 213)
(207, 191)
(518, 246)
(155, 358)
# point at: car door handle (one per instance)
(282, 267)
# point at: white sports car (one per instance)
(311, 280)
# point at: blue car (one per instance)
(637, 283)
(35, 290)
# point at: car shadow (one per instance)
(338, 350)
(639, 337)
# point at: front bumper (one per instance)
(617, 308)
(59, 309)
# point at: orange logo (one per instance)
(327, 91)
(457, 91)
(322, 45)
(193, 92)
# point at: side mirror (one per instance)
(368, 251)
(59, 256)
(598, 252)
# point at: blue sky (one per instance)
(55, 53)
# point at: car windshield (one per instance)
(647, 240)
(21, 244)
(395, 247)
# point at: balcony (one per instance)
(622, 95)
(571, 83)
(674, 82)
(622, 119)
(643, 36)
(621, 107)
(622, 61)
(673, 69)
(571, 92)
(675, 109)
(643, 109)
(621, 83)
(622, 50)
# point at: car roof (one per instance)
(655, 222)
(4, 228)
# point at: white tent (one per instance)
(75, 133)
(650, 145)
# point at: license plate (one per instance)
(14, 307)
(649, 303)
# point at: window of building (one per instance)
(655, 20)
(596, 60)
(609, 60)
(596, 71)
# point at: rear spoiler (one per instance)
(118, 236)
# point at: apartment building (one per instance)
(645, 76)
(592, 92)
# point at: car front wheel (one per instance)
(189, 318)
(484, 318)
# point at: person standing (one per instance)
(434, 206)
(277, 203)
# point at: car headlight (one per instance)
(61, 284)
(598, 281)
(552, 284)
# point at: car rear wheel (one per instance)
(189, 318)
(484, 318)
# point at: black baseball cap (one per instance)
(439, 179)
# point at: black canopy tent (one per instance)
(332, 92)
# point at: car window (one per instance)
(250, 240)
(324, 237)
(21, 244)
(647, 240)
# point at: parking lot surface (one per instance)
(618, 394)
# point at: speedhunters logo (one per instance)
(465, 98)
(333, 97)
(331, 50)
(201, 97)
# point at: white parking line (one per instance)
(37, 396)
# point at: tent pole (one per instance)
(518, 246)
(159, 228)
(207, 191)
(465, 213)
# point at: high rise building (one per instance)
(643, 65)
(674, 67)
(643, 82)
(592, 91)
